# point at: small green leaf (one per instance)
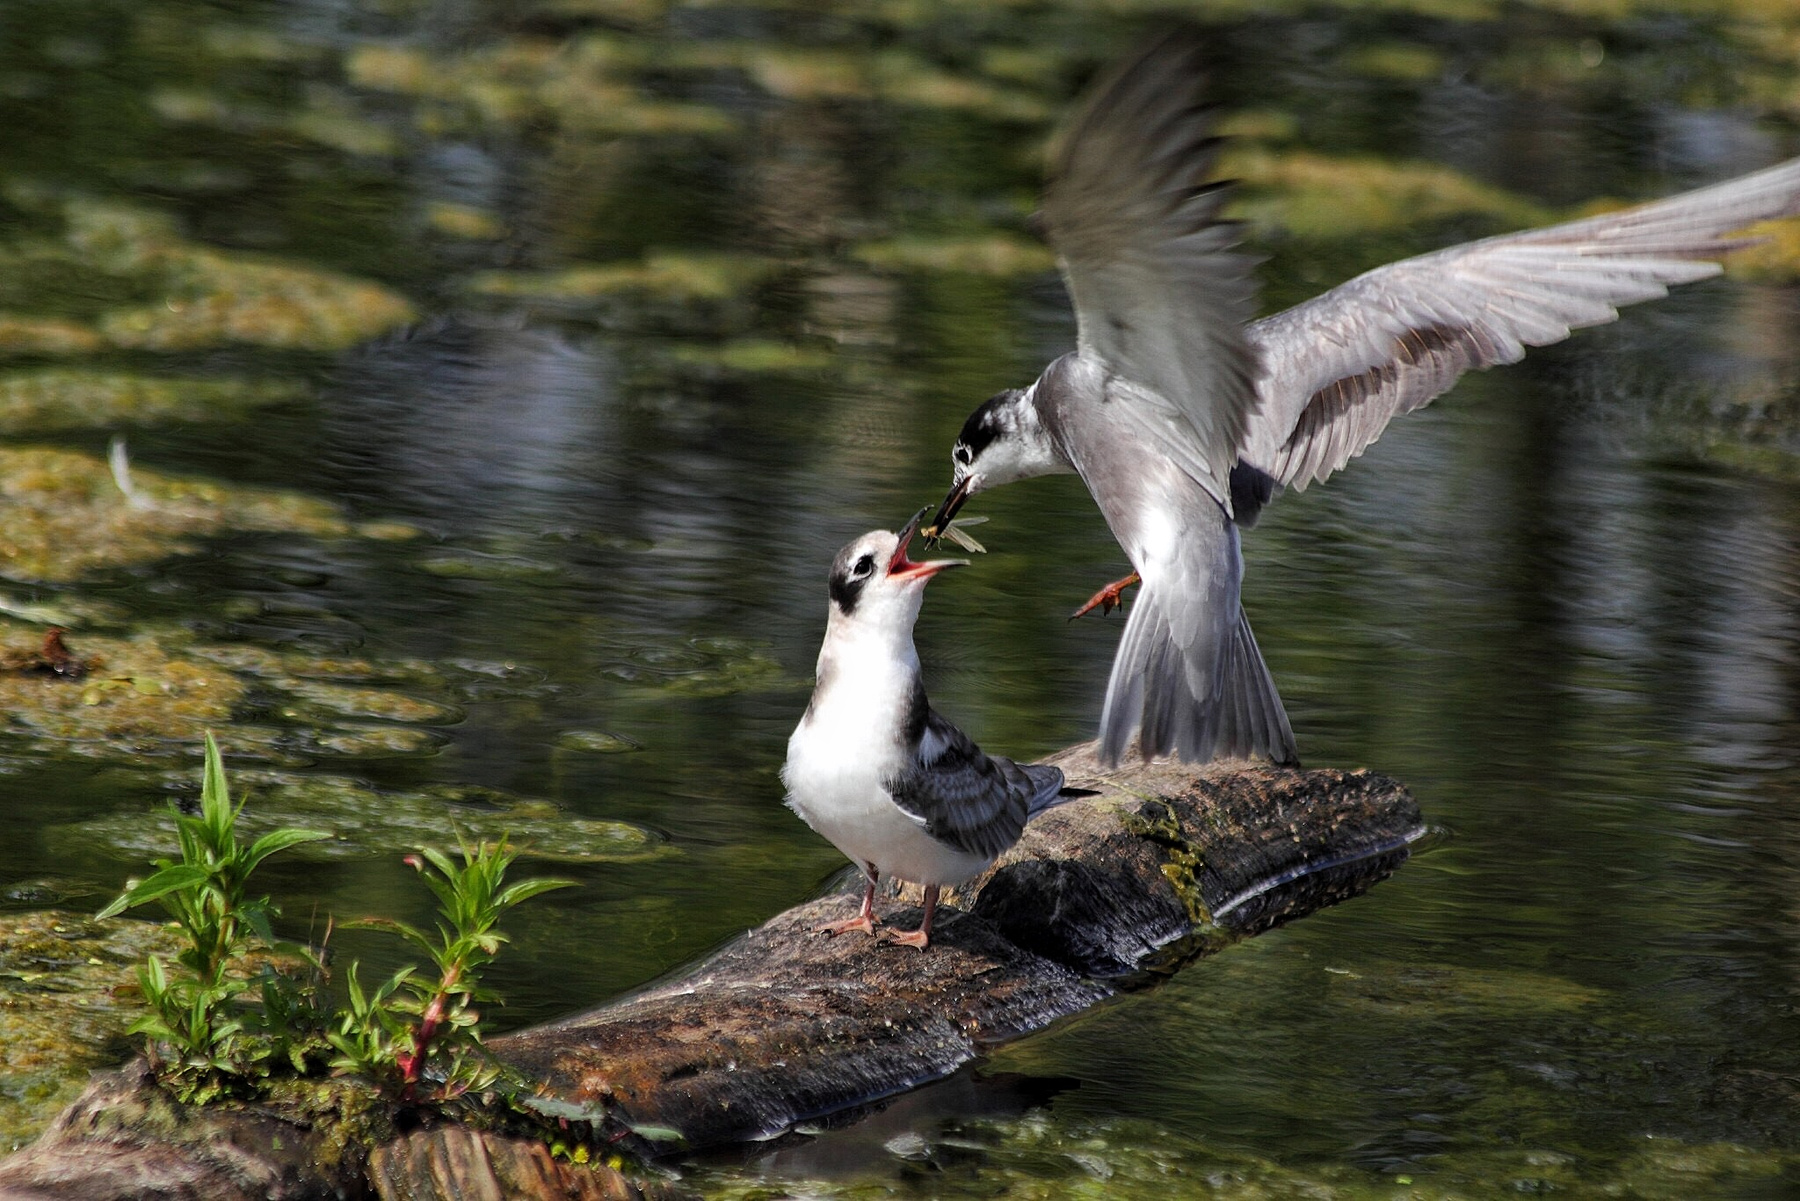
(279, 840)
(524, 890)
(167, 879)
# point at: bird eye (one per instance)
(863, 567)
(962, 454)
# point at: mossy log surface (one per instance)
(784, 1025)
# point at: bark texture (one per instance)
(783, 1026)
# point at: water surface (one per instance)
(669, 302)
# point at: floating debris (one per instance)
(52, 658)
(130, 691)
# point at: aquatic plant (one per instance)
(410, 1024)
(201, 1035)
(220, 1024)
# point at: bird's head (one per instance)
(873, 582)
(1002, 441)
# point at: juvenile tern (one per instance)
(1183, 416)
(876, 770)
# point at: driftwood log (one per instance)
(783, 1026)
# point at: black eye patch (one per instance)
(983, 425)
(846, 590)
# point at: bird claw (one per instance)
(859, 922)
(907, 938)
(1107, 599)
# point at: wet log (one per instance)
(125, 1139)
(785, 1026)
(1162, 864)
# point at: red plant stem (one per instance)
(412, 1064)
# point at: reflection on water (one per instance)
(706, 291)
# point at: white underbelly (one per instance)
(852, 811)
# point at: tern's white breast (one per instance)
(849, 742)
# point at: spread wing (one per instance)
(1341, 366)
(1160, 295)
(977, 803)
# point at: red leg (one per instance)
(920, 938)
(1107, 599)
(865, 918)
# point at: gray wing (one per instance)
(977, 803)
(1341, 366)
(1160, 296)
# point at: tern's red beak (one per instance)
(900, 567)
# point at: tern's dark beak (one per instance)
(900, 567)
(947, 510)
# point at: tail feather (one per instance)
(1049, 783)
(1210, 702)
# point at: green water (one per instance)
(599, 326)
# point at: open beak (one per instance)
(902, 568)
(947, 510)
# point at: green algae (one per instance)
(661, 275)
(135, 693)
(996, 254)
(67, 993)
(751, 356)
(1036, 1156)
(154, 289)
(330, 701)
(63, 398)
(474, 565)
(157, 690)
(1421, 989)
(329, 120)
(464, 221)
(597, 742)
(576, 87)
(1318, 196)
(289, 669)
(364, 821)
(65, 516)
(702, 667)
(897, 76)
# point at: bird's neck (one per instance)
(1030, 447)
(868, 675)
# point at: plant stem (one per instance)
(412, 1065)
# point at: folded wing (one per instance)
(975, 802)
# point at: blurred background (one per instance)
(487, 387)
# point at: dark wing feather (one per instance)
(1341, 366)
(977, 803)
(1161, 295)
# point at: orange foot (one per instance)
(1107, 599)
(908, 938)
(861, 921)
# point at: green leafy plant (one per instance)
(220, 1023)
(199, 1029)
(420, 1033)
